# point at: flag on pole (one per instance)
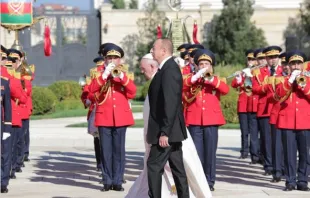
(16, 12)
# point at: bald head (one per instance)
(148, 66)
(162, 49)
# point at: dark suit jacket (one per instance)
(166, 110)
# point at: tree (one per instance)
(147, 35)
(129, 45)
(231, 33)
(118, 4)
(298, 29)
(133, 4)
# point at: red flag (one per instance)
(159, 33)
(195, 30)
(47, 41)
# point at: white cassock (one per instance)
(198, 185)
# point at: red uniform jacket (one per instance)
(204, 106)
(26, 109)
(294, 111)
(260, 87)
(112, 97)
(186, 70)
(18, 96)
(243, 96)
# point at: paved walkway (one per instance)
(63, 166)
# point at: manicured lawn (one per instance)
(73, 113)
(140, 124)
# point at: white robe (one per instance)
(198, 185)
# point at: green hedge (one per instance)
(43, 100)
(66, 90)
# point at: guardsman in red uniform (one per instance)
(184, 55)
(294, 94)
(6, 127)
(252, 104)
(204, 113)
(19, 135)
(113, 116)
(26, 79)
(276, 135)
(191, 63)
(243, 83)
(261, 87)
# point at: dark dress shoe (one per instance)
(243, 156)
(267, 173)
(118, 188)
(100, 175)
(106, 188)
(18, 170)
(275, 180)
(13, 176)
(4, 189)
(26, 159)
(211, 188)
(303, 188)
(289, 188)
(101, 182)
(124, 181)
(23, 165)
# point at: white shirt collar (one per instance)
(163, 62)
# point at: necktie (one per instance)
(272, 71)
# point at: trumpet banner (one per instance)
(16, 12)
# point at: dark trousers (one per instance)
(155, 168)
(254, 141)
(205, 139)
(266, 148)
(27, 137)
(6, 159)
(112, 141)
(97, 151)
(293, 141)
(244, 127)
(18, 146)
(277, 151)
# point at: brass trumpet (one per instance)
(207, 74)
(82, 81)
(246, 71)
(301, 80)
(25, 69)
(116, 72)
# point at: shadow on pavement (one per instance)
(74, 169)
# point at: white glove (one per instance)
(198, 75)
(108, 70)
(5, 135)
(180, 61)
(239, 78)
(247, 72)
(294, 74)
(88, 102)
(121, 76)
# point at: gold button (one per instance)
(296, 109)
(114, 105)
(203, 101)
(203, 108)
(113, 98)
(113, 91)
(297, 102)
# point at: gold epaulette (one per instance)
(131, 75)
(223, 80)
(4, 78)
(256, 72)
(17, 75)
(93, 72)
(11, 71)
(306, 66)
(32, 68)
(88, 80)
(279, 79)
(125, 68)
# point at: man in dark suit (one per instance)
(166, 126)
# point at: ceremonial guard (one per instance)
(243, 83)
(294, 94)
(204, 114)
(27, 76)
(185, 56)
(261, 87)
(6, 127)
(113, 116)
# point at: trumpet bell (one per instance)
(116, 72)
(302, 81)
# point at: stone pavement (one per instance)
(63, 166)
